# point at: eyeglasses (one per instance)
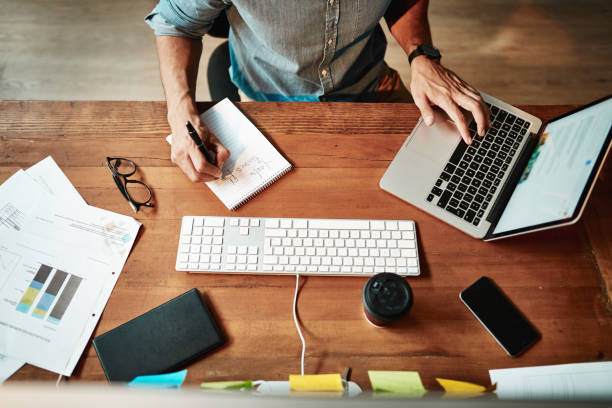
(135, 192)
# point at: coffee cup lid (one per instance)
(387, 296)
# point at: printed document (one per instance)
(59, 261)
(555, 382)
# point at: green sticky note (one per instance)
(226, 385)
(405, 382)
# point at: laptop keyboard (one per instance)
(473, 174)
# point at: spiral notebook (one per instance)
(254, 163)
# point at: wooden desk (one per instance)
(560, 279)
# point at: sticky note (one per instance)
(318, 382)
(405, 382)
(170, 380)
(226, 385)
(460, 389)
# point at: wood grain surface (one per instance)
(560, 279)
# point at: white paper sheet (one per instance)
(18, 196)
(46, 222)
(33, 328)
(8, 367)
(555, 382)
(48, 174)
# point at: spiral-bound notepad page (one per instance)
(253, 163)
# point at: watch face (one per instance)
(431, 51)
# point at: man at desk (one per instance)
(303, 50)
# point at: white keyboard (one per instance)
(296, 245)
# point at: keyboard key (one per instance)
(458, 153)
(445, 176)
(444, 199)
(469, 216)
(430, 197)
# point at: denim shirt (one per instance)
(290, 50)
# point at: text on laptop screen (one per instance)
(553, 181)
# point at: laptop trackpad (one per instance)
(438, 141)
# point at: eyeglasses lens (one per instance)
(123, 167)
(138, 192)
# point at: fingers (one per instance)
(453, 111)
(222, 154)
(479, 111)
(201, 165)
(422, 103)
(194, 175)
(191, 160)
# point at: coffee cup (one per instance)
(387, 297)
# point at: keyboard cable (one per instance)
(295, 319)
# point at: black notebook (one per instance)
(162, 340)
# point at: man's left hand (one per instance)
(434, 85)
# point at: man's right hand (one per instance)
(185, 153)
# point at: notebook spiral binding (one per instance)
(244, 199)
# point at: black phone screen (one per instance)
(499, 316)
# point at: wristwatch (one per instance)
(428, 50)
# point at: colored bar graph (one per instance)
(64, 300)
(50, 293)
(35, 286)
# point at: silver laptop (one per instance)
(522, 176)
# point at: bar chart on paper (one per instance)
(51, 290)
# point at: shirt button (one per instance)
(331, 2)
(329, 42)
(324, 72)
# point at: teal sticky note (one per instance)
(170, 380)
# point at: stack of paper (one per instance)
(59, 261)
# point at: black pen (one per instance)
(210, 156)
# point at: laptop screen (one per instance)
(553, 182)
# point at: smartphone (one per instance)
(499, 316)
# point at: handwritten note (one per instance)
(253, 164)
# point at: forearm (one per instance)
(179, 59)
(407, 21)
